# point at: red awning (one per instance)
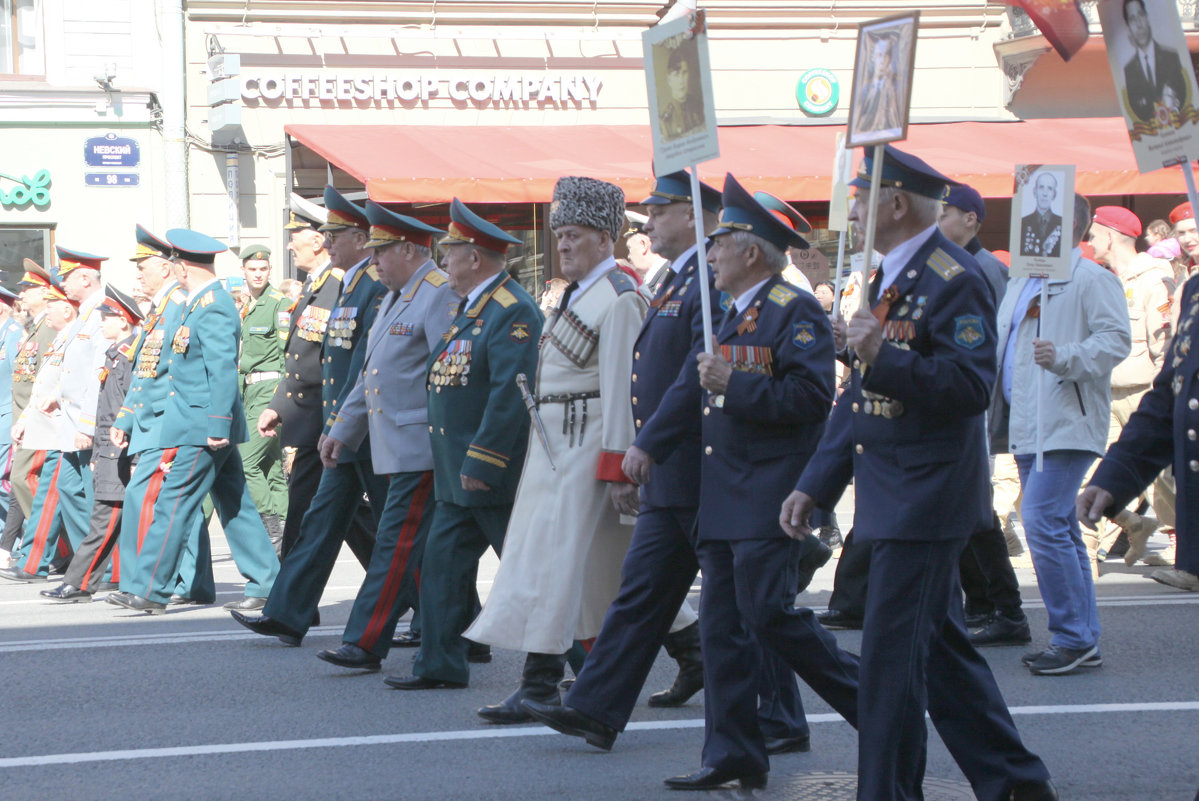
(514, 164)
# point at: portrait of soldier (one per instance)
(682, 113)
(1154, 74)
(1041, 229)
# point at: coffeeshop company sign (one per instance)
(537, 89)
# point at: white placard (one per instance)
(678, 80)
(1042, 221)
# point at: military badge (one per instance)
(670, 308)
(726, 301)
(283, 319)
(968, 331)
(519, 332)
(402, 329)
(182, 338)
(803, 335)
(749, 358)
(1177, 385)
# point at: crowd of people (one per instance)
(608, 452)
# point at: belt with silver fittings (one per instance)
(269, 375)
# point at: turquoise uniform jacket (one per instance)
(146, 399)
(477, 420)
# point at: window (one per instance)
(18, 244)
(21, 39)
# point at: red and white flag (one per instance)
(1061, 21)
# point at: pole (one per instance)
(1040, 467)
(838, 281)
(876, 177)
(701, 247)
(1192, 195)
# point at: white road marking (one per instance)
(493, 734)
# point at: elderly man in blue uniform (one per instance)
(665, 461)
(110, 464)
(389, 400)
(300, 410)
(479, 428)
(203, 417)
(138, 426)
(1161, 433)
(292, 606)
(909, 431)
(769, 388)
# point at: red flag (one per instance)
(1061, 21)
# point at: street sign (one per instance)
(111, 150)
(111, 179)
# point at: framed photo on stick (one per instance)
(882, 80)
(1042, 239)
(678, 80)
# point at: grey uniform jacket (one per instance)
(389, 399)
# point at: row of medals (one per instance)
(451, 370)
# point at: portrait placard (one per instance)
(1155, 83)
(838, 204)
(678, 80)
(1042, 221)
(882, 80)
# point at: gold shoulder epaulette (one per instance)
(943, 265)
(781, 295)
(338, 273)
(207, 298)
(435, 278)
(277, 295)
(503, 297)
(372, 271)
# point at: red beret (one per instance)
(1181, 212)
(1118, 219)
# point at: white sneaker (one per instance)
(1173, 577)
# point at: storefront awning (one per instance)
(511, 164)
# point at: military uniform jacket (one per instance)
(110, 464)
(264, 333)
(11, 333)
(1148, 287)
(757, 440)
(146, 398)
(909, 429)
(204, 398)
(82, 359)
(1162, 432)
(666, 387)
(390, 398)
(297, 399)
(28, 359)
(477, 420)
(44, 432)
(345, 346)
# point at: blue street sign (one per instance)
(111, 179)
(111, 150)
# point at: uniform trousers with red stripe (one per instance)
(326, 524)
(392, 581)
(151, 570)
(62, 502)
(99, 548)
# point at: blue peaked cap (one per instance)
(742, 212)
(194, 246)
(676, 188)
(904, 171)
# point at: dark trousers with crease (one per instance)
(302, 485)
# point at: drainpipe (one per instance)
(174, 109)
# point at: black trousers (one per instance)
(305, 477)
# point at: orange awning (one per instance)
(517, 164)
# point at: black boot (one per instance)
(274, 530)
(683, 647)
(538, 682)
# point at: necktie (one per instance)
(875, 285)
(461, 307)
(1148, 70)
(570, 290)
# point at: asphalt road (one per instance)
(103, 703)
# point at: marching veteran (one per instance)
(479, 429)
(560, 568)
(266, 319)
(389, 399)
(909, 431)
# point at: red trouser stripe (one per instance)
(44, 521)
(399, 562)
(35, 470)
(587, 644)
(109, 532)
(174, 511)
(153, 487)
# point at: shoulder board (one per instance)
(176, 296)
(275, 294)
(943, 265)
(781, 295)
(372, 272)
(207, 298)
(503, 297)
(126, 350)
(621, 281)
(337, 273)
(435, 278)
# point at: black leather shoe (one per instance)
(19, 575)
(683, 647)
(269, 627)
(1033, 791)
(478, 654)
(978, 621)
(137, 603)
(246, 604)
(103, 586)
(788, 745)
(713, 778)
(181, 600)
(421, 683)
(817, 557)
(406, 639)
(1002, 630)
(66, 594)
(351, 656)
(832, 619)
(572, 722)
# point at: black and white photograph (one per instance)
(882, 84)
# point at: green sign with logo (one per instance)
(33, 191)
(818, 92)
